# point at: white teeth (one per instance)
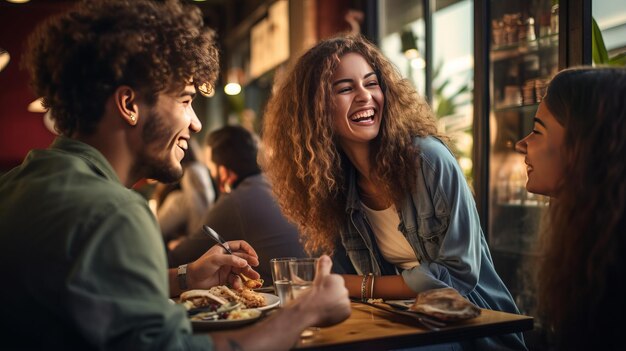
(362, 114)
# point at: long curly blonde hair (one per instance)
(301, 155)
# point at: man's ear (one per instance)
(227, 178)
(126, 103)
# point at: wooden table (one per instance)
(369, 328)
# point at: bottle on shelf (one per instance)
(554, 20)
(517, 185)
(531, 38)
(502, 186)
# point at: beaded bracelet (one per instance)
(363, 286)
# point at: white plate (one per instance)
(272, 301)
(225, 323)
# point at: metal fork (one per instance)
(218, 238)
(224, 244)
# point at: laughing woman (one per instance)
(357, 163)
(580, 131)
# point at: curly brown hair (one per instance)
(582, 273)
(302, 157)
(76, 60)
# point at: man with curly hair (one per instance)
(83, 253)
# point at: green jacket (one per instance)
(83, 262)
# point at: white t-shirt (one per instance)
(392, 243)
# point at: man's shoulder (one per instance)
(255, 186)
(55, 176)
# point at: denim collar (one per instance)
(353, 201)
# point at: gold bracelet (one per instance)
(363, 286)
(372, 287)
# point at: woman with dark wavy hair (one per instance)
(575, 154)
(356, 161)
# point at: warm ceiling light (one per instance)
(409, 44)
(232, 89)
(18, 1)
(37, 106)
(233, 86)
(4, 58)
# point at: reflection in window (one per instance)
(611, 19)
(402, 23)
(402, 39)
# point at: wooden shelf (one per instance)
(504, 52)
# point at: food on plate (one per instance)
(200, 298)
(203, 305)
(235, 314)
(244, 314)
(445, 304)
(248, 297)
(251, 283)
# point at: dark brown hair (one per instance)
(302, 158)
(76, 60)
(582, 275)
(235, 148)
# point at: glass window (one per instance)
(402, 40)
(610, 16)
(453, 73)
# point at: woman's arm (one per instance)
(385, 287)
(458, 253)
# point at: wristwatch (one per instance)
(182, 277)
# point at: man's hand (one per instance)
(324, 304)
(217, 267)
(327, 300)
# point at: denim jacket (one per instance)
(440, 221)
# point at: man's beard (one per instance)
(156, 139)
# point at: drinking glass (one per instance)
(282, 278)
(302, 271)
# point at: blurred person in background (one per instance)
(576, 155)
(355, 159)
(82, 252)
(246, 209)
(180, 206)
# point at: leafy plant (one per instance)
(447, 104)
(599, 53)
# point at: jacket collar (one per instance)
(97, 162)
(353, 201)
